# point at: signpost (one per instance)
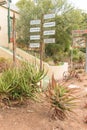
(35, 37)
(34, 45)
(78, 39)
(50, 32)
(49, 24)
(40, 30)
(35, 22)
(50, 40)
(82, 42)
(49, 16)
(79, 31)
(79, 42)
(49, 29)
(35, 29)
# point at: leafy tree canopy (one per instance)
(67, 19)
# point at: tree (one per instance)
(29, 11)
(67, 19)
(23, 24)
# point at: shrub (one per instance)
(78, 56)
(62, 100)
(19, 83)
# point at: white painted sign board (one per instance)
(50, 40)
(49, 24)
(35, 29)
(34, 45)
(49, 16)
(50, 32)
(34, 37)
(33, 22)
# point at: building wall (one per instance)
(4, 25)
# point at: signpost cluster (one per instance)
(42, 32)
(49, 30)
(35, 33)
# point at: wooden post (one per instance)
(41, 48)
(14, 41)
(8, 21)
(41, 45)
(86, 56)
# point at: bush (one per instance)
(78, 56)
(62, 100)
(19, 83)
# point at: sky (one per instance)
(81, 4)
(14, 1)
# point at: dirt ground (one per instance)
(36, 116)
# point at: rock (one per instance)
(73, 86)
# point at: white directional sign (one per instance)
(49, 24)
(50, 40)
(33, 22)
(34, 45)
(35, 29)
(49, 16)
(34, 37)
(50, 32)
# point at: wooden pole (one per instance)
(41, 45)
(14, 41)
(86, 55)
(8, 21)
(41, 49)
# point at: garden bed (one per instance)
(36, 115)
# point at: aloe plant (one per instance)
(62, 99)
(21, 82)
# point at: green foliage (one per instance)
(83, 50)
(62, 99)
(23, 24)
(33, 11)
(56, 53)
(52, 49)
(21, 82)
(78, 56)
(21, 3)
(67, 19)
